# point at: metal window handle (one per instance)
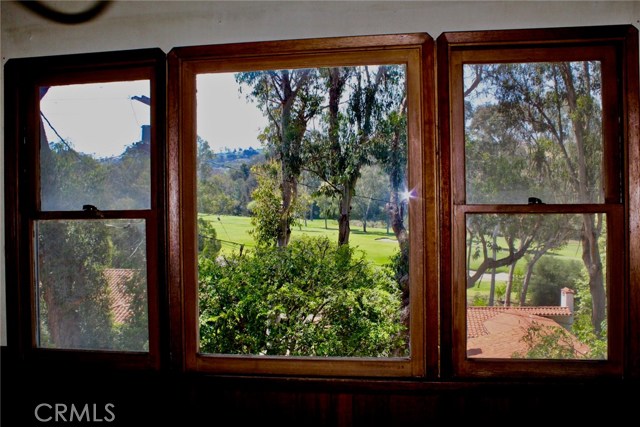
(94, 210)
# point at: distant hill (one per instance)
(236, 154)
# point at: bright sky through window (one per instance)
(98, 118)
(102, 118)
(225, 118)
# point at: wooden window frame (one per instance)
(438, 350)
(414, 50)
(22, 169)
(616, 47)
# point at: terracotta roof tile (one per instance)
(497, 332)
(476, 316)
(117, 279)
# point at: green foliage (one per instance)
(133, 334)
(74, 179)
(399, 264)
(311, 298)
(265, 206)
(73, 291)
(480, 300)
(224, 184)
(208, 244)
(550, 275)
(500, 291)
(582, 326)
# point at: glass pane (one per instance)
(533, 130)
(530, 293)
(92, 285)
(302, 212)
(94, 146)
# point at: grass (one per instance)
(377, 245)
(571, 251)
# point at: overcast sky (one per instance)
(225, 117)
(102, 119)
(97, 118)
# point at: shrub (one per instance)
(311, 298)
(549, 276)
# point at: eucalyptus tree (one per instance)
(560, 104)
(553, 111)
(371, 196)
(289, 99)
(358, 101)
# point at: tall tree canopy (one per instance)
(546, 119)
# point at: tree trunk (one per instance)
(288, 184)
(590, 233)
(507, 293)
(289, 192)
(344, 228)
(492, 288)
(593, 262)
(62, 323)
(527, 277)
(469, 249)
(395, 214)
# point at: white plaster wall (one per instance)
(168, 24)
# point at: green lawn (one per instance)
(376, 243)
(571, 251)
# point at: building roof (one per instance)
(477, 316)
(117, 279)
(498, 332)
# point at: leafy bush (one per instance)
(208, 244)
(550, 275)
(311, 298)
(582, 326)
(480, 300)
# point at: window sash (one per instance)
(475, 367)
(412, 50)
(29, 75)
(458, 49)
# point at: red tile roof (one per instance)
(117, 279)
(497, 332)
(476, 316)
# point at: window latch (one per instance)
(535, 201)
(92, 209)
